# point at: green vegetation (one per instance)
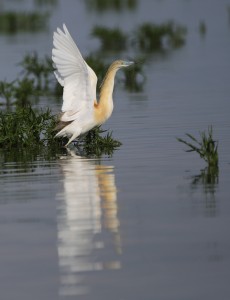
(111, 39)
(147, 37)
(207, 148)
(46, 2)
(39, 69)
(94, 144)
(115, 5)
(202, 28)
(37, 79)
(33, 130)
(26, 128)
(13, 22)
(153, 37)
(7, 91)
(18, 92)
(97, 64)
(134, 76)
(208, 177)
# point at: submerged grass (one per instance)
(18, 92)
(36, 79)
(39, 69)
(147, 37)
(207, 148)
(115, 5)
(202, 28)
(152, 37)
(12, 22)
(98, 65)
(134, 76)
(111, 39)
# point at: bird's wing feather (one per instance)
(73, 73)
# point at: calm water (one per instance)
(146, 223)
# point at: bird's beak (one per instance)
(128, 63)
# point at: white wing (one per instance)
(73, 73)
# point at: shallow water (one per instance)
(146, 223)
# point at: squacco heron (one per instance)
(80, 110)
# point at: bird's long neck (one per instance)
(106, 92)
(105, 105)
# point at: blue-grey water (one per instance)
(146, 223)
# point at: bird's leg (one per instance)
(73, 137)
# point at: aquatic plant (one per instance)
(17, 92)
(12, 22)
(46, 2)
(153, 37)
(134, 77)
(7, 91)
(25, 128)
(208, 177)
(23, 91)
(31, 129)
(115, 5)
(39, 69)
(94, 144)
(98, 65)
(111, 39)
(207, 148)
(202, 28)
(37, 79)
(206, 181)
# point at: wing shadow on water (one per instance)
(87, 223)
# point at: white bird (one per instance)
(80, 110)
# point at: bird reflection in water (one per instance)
(86, 213)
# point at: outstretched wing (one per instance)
(73, 73)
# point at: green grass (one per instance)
(107, 5)
(19, 92)
(134, 76)
(51, 3)
(147, 37)
(12, 22)
(97, 64)
(207, 147)
(26, 128)
(111, 39)
(36, 79)
(7, 92)
(154, 37)
(39, 69)
(95, 144)
(208, 177)
(33, 130)
(202, 28)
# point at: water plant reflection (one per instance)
(86, 210)
(115, 5)
(208, 180)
